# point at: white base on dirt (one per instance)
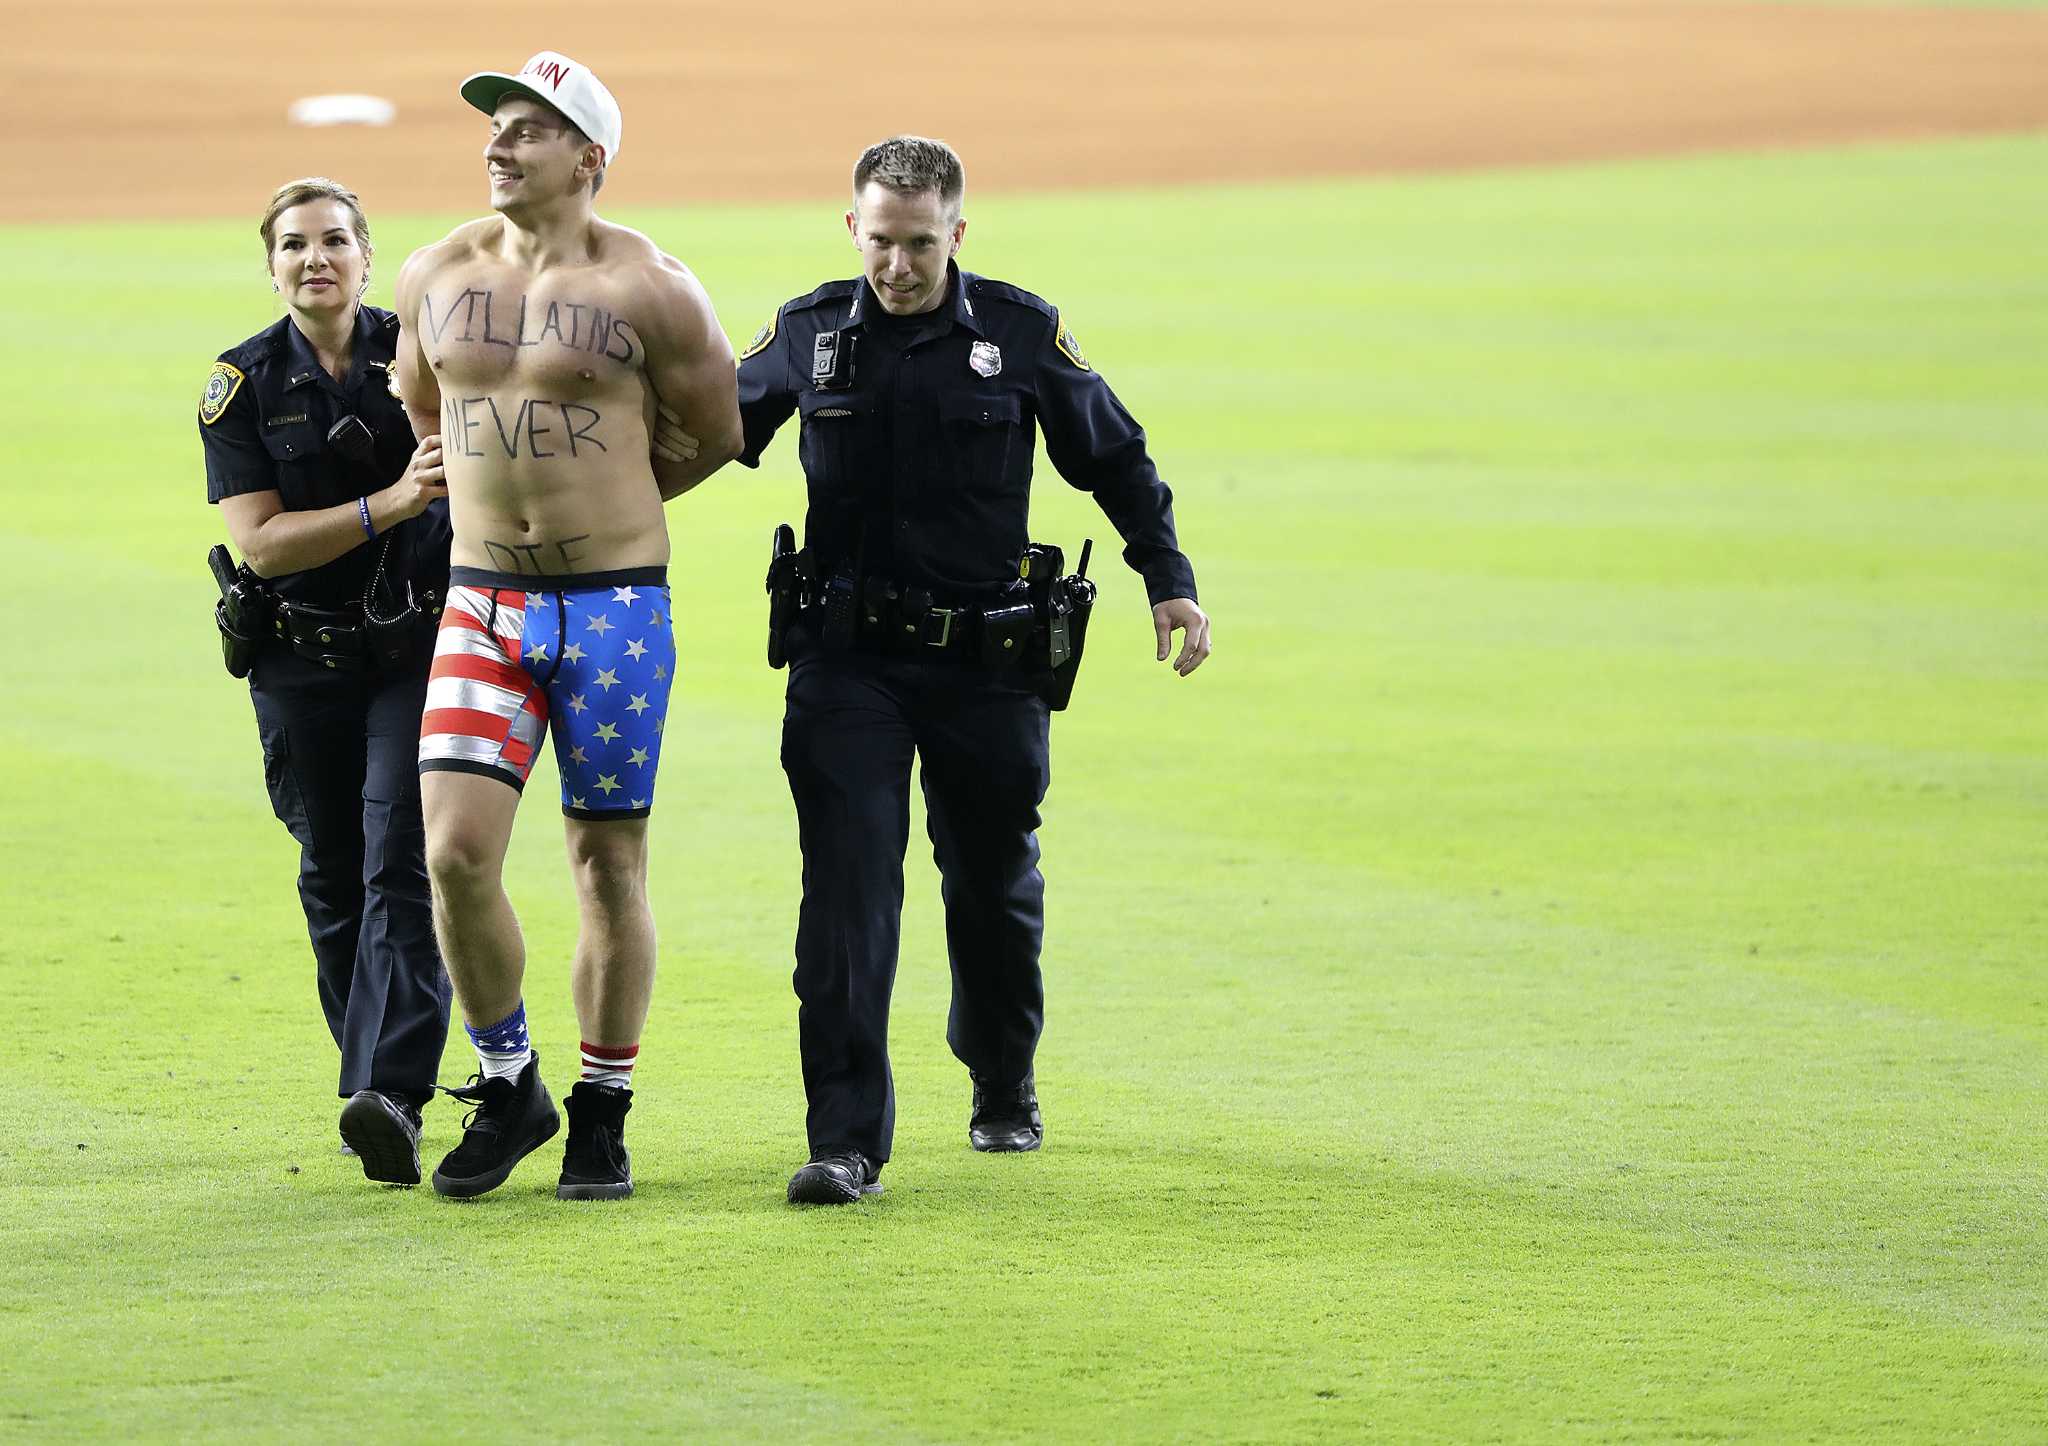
(342, 110)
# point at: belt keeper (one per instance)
(363, 511)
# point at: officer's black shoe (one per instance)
(835, 1177)
(512, 1118)
(595, 1163)
(1005, 1119)
(384, 1133)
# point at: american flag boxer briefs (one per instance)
(594, 654)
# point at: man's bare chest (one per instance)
(570, 337)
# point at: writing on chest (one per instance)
(512, 427)
(487, 332)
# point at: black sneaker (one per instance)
(595, 1163)
(512, 1119)
(1005, 1120)
(384, 1133)
(835, 1177)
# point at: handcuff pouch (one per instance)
(1006, 635)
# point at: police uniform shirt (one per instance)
(264, 420)
(919, 464)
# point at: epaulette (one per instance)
(831, 291)
(981, 288)
(257, 348)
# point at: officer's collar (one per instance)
(302, 366)
(958, 308)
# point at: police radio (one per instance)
(1063, 604)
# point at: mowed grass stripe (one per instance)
(1566, 969)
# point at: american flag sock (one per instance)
(503, 1049)
(609, 1064)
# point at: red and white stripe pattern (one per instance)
(609, 1064)
(484, 710)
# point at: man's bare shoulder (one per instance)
(465, 242)
(621, 248)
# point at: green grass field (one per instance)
(1569, 968)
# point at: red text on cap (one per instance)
(551, 71)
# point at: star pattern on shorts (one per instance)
(597, 733)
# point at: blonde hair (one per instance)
(298, 193)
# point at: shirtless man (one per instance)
(539, 343)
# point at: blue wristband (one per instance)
(363, 507)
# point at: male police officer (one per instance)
(920, 386)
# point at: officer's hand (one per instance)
(422, 482)
(671, 442)
(1172, 615)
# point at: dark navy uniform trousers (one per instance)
(852, 723)
(341, 760)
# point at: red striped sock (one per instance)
(609, 1064)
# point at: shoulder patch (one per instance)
(1063, 338)
(221, 385)
(762, 337)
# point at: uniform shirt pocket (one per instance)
(831, 442)
(292, 442)
(299, 458)
(983, 436)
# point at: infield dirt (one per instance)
(133, 109)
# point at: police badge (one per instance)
(391, 378)
(986, 358)
(221, 385)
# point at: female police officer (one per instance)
(313, 463)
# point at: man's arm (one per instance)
(417, 387)
(1100, 448)
(689, 365)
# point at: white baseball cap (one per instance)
(555, 80)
